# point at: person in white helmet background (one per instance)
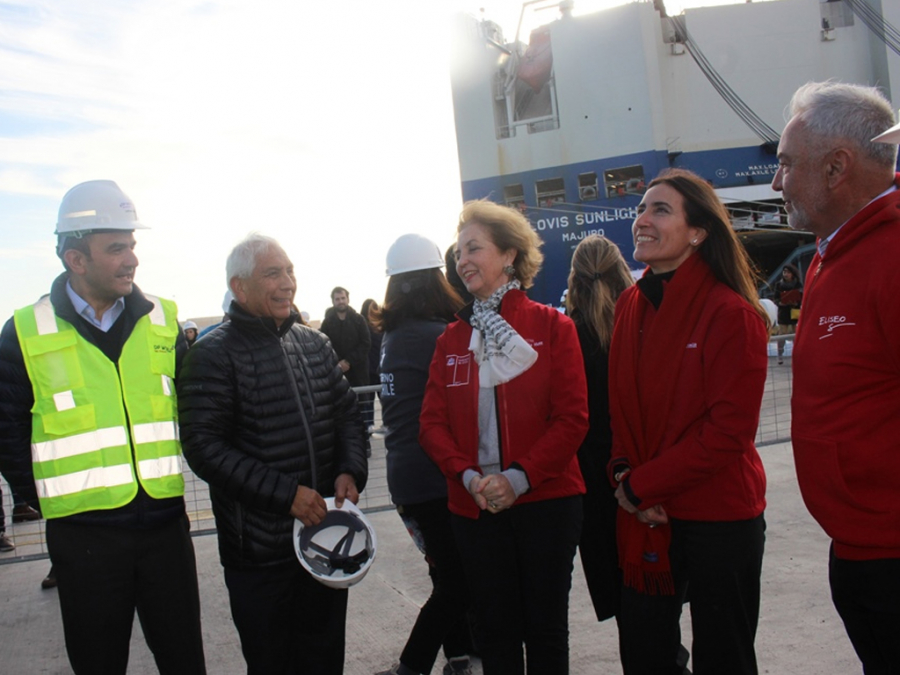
(270, 422)
(88, 431)
(190, 333)
(418, 305)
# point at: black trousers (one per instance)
(104, 574)
(442, 619)
(716, 566)
(289, 623)
(866, 594)
(518, 566)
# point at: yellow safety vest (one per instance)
(99, 427)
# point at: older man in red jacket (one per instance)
(841, 186)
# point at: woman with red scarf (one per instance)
(687, 371)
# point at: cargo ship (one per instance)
(570, 122)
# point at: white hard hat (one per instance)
(339, 551)
(771, 309)
(892, 135)
(96, 205)
(413, 252)
(190, 324)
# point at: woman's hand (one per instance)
(655, 515)
(492, 493)
(623, 500)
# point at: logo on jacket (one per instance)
(832, 323)
(163, 349)
(460, 365)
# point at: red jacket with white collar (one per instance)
(846, 402)
(542, 414)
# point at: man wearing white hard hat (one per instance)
(838, 181)
(270, 422)
(88, 430)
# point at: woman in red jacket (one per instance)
(505, 410)
(687, 371)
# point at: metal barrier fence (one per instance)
(28, 537)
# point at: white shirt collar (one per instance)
(85, 310)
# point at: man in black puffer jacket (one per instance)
(269, 421)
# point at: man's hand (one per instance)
(309, 506)
(344, 364)
(345, 488)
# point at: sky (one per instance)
(328, 126)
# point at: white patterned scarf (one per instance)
(499, 350)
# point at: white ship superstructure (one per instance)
(571, 125)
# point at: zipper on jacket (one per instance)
(497, 412)
(299, 400)
(139, 506)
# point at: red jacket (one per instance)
(846, 401)
(542, 414)
(707, 467)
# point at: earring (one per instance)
(509, 271)
(694, 242)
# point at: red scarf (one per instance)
(643, 372)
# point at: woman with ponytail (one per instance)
(598, 277)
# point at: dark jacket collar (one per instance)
(653, 286)
(243, 320)
(331, 313)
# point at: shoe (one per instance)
(780, 361)
(458, 665)
(23, 512)
(50, 580)
(6, 545)
(394, 669)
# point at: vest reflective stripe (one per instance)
(98, 427)
(64, 400)
(157, 314)
(81, 444)
(45, 317)
(154, 432)
(80, 481)
(160, 468)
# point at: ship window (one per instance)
(524, 90)
(836, 14)
(625, 180)
(550, 191)
(587, 186)
(514, 195)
